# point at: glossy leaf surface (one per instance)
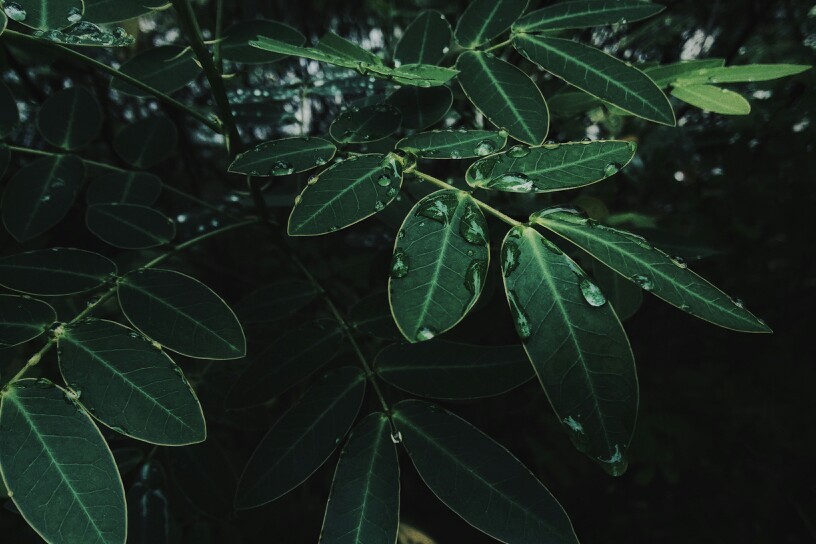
(713, 99)
(23, 319)
(45, 14)
(483, 20)
(366, 124)
(284, 157)
(336, 45)
(138, 188)
(129, 226)
(236, 48)
(421, 108)
(167, 68)
(586, 13)
(665, 74)
(275, 301)
(55, 271)
(425, 40)
(453, 144)
(147, 142)
(70, 118)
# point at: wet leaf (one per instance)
(140, 188)
(23, 319)
(425, 40)
(146, 143)
(713, 99)
(453, 144)
(483, 20)
(338, 46)
(55, 271)
(585, 14)
(129, 226)
(747, 73)
(236, 48)
(284, 157)
(45, 14)
(366, 124)
(420, 107)
(167, 68)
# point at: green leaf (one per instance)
(598, 74)
(439, 265)
(483, 20)
(425, 40)
(570, 103)
(181, 313)
(665, 74)
(70, 119)
(167, 69)
(87, 34)
(275, 301)
(129, 385)
(284, 157)
(364, 501)
(140, 188)
(366, 124)
(45, 14)
(285, 362)
(551, 167)
(453, 144)
(302, 439)
(129, 226)
(345, 193)
(371, 315)
(713, 99)
(148, 516)
(420, 107)
(625, 296)
(576, 344)
(634, 258)
(58, 469)
(505, 95)
(147, 142)
(452, 371)
(206, 476)
(3, 24)
(55, 271)
(236, 48)
(478, 478)
(23, 319)
(113, 11)
(40, 194)
(335, 45)
(585, 14)
(9, 114)
(748, 73)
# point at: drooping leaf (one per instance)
(366, 124)
(146, 143)
(55, 271)
(70, 119)
(346, 193)
(40, 194)
(364, 500)
(181, 313)
(285, 362)
(505, 95)
(371, 315)
(45, 14)
(420, 107)
(551, 167)
(452, 371)
(454, 144)
(665, 74)
(140, 188)
(483, 20)
(478, 478)
(748, 73)
(713, 99)
(586, 13)
(284, 157)
(167, 68)
(23, 319)
(425, 40)
(236, 48)
(129, 385)
(634, 258)
(9, 113)
(338, 46)
(577, 346)
(130, 226)
(205, 475)
(439, 265)
(148, 512)
(302, 439)
(58, 468)
(598, 74)
(113, 11)
(275, 301)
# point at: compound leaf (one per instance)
(453, 144)
(425, 40)
(55, 271)
(366, 124)
(167, 68)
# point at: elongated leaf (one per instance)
(451, 371)
(302, 439)
(364, 500)
(576, 344)
(113, 11)
(130, 226)
(45, 14)
(625, 296)
(336, 45)
(551, 167)
(742, 74)
(479, 479)
(454, 144)
(130, 385)
(61, 474)
(505, 95)
(483, 20)
(148, 513)
(70, 119)
(665, 74)
(366, 124)
(138, 188)
(146, 143)
(55, 271)
(205, 475)
(284, 157)
(586, 13)
(286, 361)
(181, 314)
(711, 98)
(275, 301)
(9, 113)
(439, 266)
(420, 107)
(40, 194)
(372, 316)
(236, 48)
(634, 258)
(598, 74)
(346, 193)
(425, 40)
(23, 319)
(167, 69)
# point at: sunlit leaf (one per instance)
(166, 68)
(9, 114)
(23, 319)
(130, 226)
(140, 188)
(70, 119)
(284, 157)
(45, 14)
(147, 142)
(338, 46)
(371, 315)
(425, 40)
(586, 13)
(113, 11)
(236, 48)
(366, 124)
(420, 107)
(713, 99)
(748, 73)
(483, 20)
(148, 512)
(55, 271)
(205, 475)
(453, 144)
(275, 301)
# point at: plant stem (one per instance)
(219, 25)
(498, 45)
(213, 124)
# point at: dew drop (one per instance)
(520, 319)
(425, 333)
(396, 437)
(15, 11)
(511, 255)
(591, 292)
(485, 147)
(455, 154)
(573, 424)
(611, 169)
(379, 205)
(679, 262)
(399, 264)
(511, 182)
(281, 168)
(384, 180)
(503, 133)
(518, 151)
(74, 15)
(644, 282)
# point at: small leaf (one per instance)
(748, 73)
(483, 20)
(130, 385)
(167, 69)
(205, 475)
(55, 271)
(140, 188)
(371, 315)
(302, 439)
(425, 40)
(58, 468)
(346, 193)
(23, 319)
(148, 515)
(505, 95)
(451, 371)
(453, 144)
(275, 301)
(665, 74)
(146, 143)
(713, 99)
(284, 157)
(420, 107)
(45, 14)
(113, 11)
(479, 479)
(129, 226)
(364, 500)
(439, 265)
(585, 14)
(181, 313)
(551, 167)
(236, 48)
(70, 119)
(335, 45)
(366, 124)
(40, 194)
(9, 114)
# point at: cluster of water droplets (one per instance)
(15, 11)
(87, 33)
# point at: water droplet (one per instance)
(281, 168)
(15, 11)
(644, 282)
(549, 144)
(379, 205)
(298, 199)
(511, 255)
(45, 198)
(312, 179)
(739, 303)
(503, 133)
(391, 193)
(473, 226)
(485, 147)
(565, 214)
(616, 465)
(520, 319)
(384, 180)
(399, 264)
(425, 333)
(518, 151)
(511, 182)
(573, 424)
(591, 292)
(396, 437)
(680, 262)
(476, 271)
(611, 169)
(74, 15)
(455, 154)
(439, 207)
(320, 161)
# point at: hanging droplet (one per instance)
(591, 292)
(680, 262)
(15, 11)
(74, 15)
(425, 333)
(485, 147)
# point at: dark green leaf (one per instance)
(711, 98)
(284, 157)
(483, 20)
(113, 11)
(236, 48)
(9, 114)
(302, 439)
(87, 34)
(748, 73)
(576, 344)
(23, 319)
(146, 143)
(139, 188)
(479, 479)
(335, 45)
(505, 95)
(167, 68)
(55, 271)
(420, 107)
(665, 74)
(454, 144)
(148, 516)
(372, 316)
(586, 13)
(70, 119)
(625, 296)
(45, 14)
(205, 476)
(366, 124)
(129, 226)
(276, 301)
(60, 472)
(425, 40)
(569, 103)
(181, 313)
